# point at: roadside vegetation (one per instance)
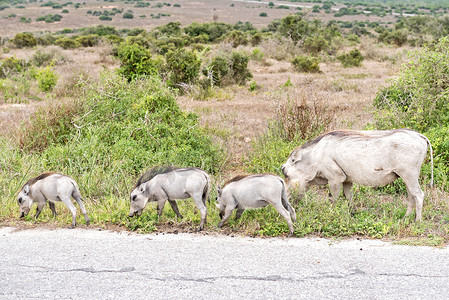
(106, 128)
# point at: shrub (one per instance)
(128, 15)
(50, 124)
(50, 18)
(396, 37)
(104, 18)
(88, 40)
(256, 39)
(217, 70)
(228, 68)
(67, 43)
(113, 39)
(42, 58)
(183, 66)
(12, 65)
(101, 30)
(213, 31)
(23, 40)
(418, 98)
(46, 79)
(136, 61)
(352, 59)
(46, 39)
(315, 44)
(130, 127)
(236, 38)
(263, 14)
(239, 67)
(308, 64)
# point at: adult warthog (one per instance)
(370, 158)
(51, 187)
(254, 191)
(169, 183)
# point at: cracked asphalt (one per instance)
(94, 264)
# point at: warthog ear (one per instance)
(296, 156)
(219, 191)
(26, 189)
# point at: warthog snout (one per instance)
(221, 215)
(134, 213)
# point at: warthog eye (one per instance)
(133, 198)
(20, 200)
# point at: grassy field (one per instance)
(238, 120)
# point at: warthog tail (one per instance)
(285, 203)
(431, 158)
(206, 191)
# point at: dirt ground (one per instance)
(227, 11)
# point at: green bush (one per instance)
(51, 124)
(136, 61)
(46, 79)
(113, 39)
(217, 70)
(23, 40)
(104, 18)
(352, 59)
(315, 44)
(128, 15)
(183, 67)
(88, 40)
(396, 37)
(213, 31)
(228, 68)
(50, 18)
(308, 64)
(12, 65)
(67, 43)
(236, 38)
(130, 127)
(100, 30)
(419, 97)
(42, 58)
(239, 67)
(263, 14)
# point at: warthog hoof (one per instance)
(71, 226)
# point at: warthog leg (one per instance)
(335, 188)
(347, 191)
(53, 208)
(78, 200)
(40, 206)
(415, 195)
(239, 213)
(198, 198)
(160, 206)
(227, 214)
(174, 206)
(285, 213)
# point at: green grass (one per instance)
(376, 215)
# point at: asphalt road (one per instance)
(92, 264)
